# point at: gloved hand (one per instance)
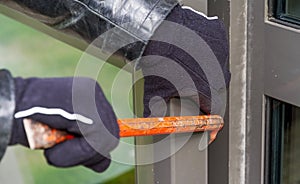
(75, 105)
(176, 74)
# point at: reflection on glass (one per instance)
(284, 147)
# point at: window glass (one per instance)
(284, 143)
(29, 53)
(293, 8)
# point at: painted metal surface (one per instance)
(246, 112)
(218, 159)
(255, 92)
(189, 164)
(199, 5)
(186, 165)
(267, 53)
(282, 71)
(238, 88)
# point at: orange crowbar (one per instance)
(41, 136)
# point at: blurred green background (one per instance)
(26, 52)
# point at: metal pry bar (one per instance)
(41, 136)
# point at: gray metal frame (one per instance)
(247, 91)
(282, 69)
(218, 152)
(188, 165)
(264, 61)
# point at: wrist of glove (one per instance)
(171, 69)
(75, 105)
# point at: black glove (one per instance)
(54, 101)
(177, 74)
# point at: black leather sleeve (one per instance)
(7, 108)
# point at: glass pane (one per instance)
(291, 148)
(284, 143)
(293, 8)
(26, 52)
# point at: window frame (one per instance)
(277, 13)
(273, 159)
(278, 119)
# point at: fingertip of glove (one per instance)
(100, 167)
(50, 159)
(68, 153)
(53, 159)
